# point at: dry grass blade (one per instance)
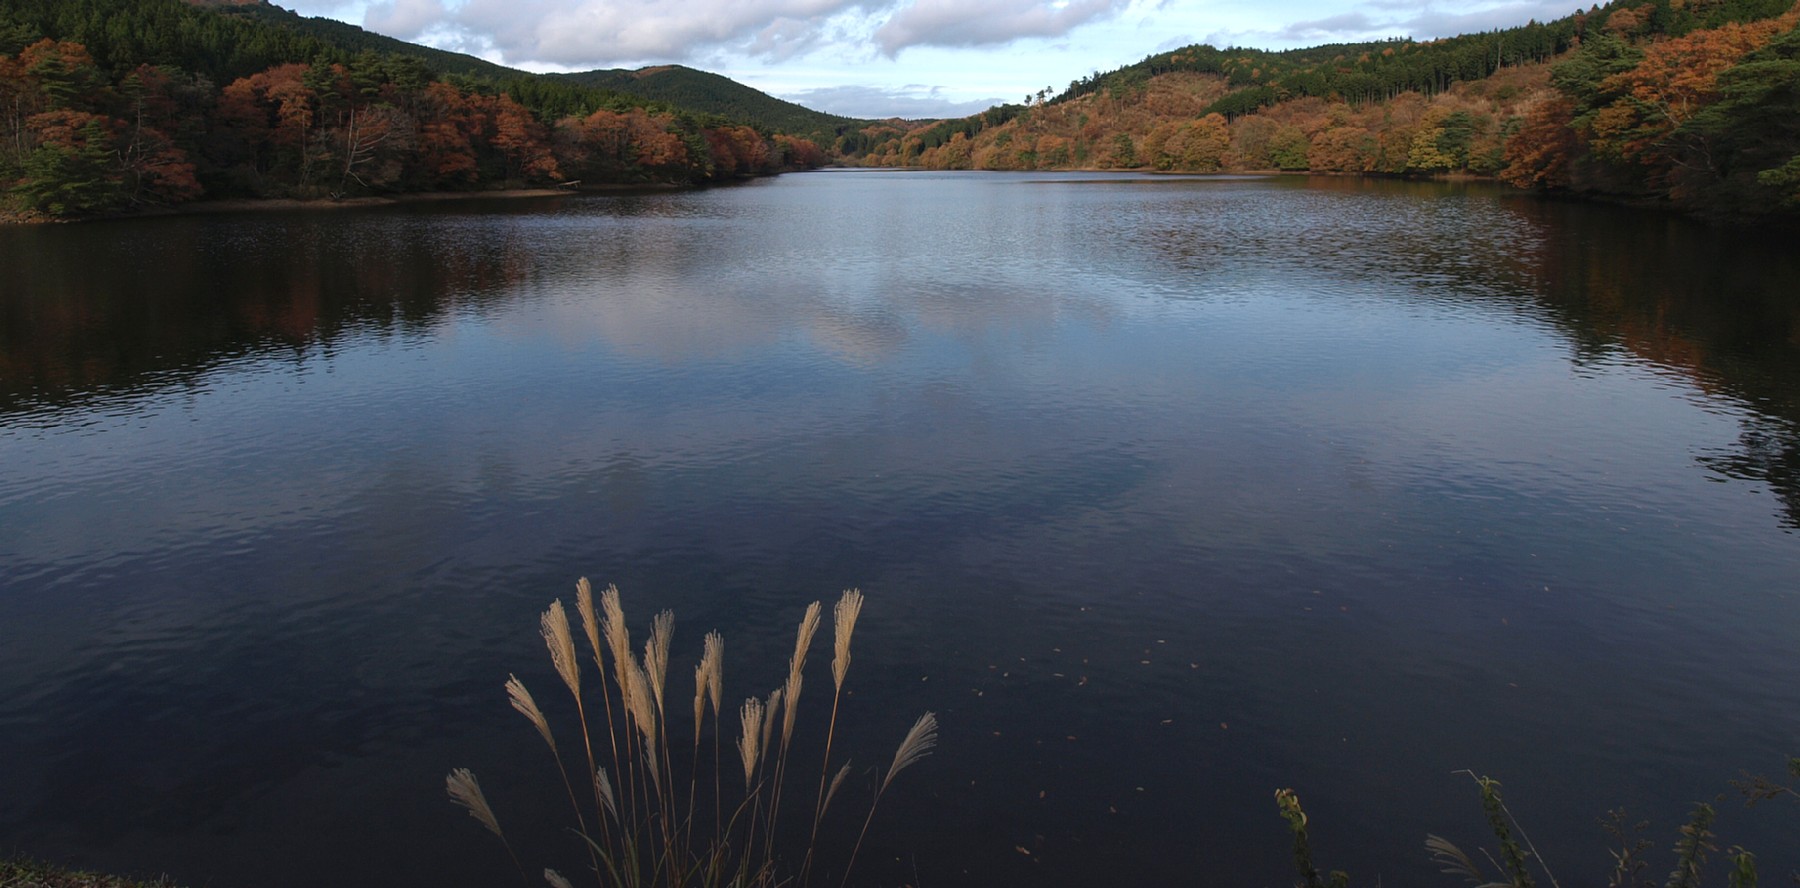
(706, 679)
(656, 654)
(715, 656)
(650, 760)
(554, 625)
(590, 620)
(919, 741)
(700, 681)
(521, 700)
(603, 784)
(844, 617)
(465, 791)
(556, 879)
(791, 692)
(1453, 861)
(636, 689)
(749, 744)
(770, 709)
(612, 626)
(835, 783)
(809, 624)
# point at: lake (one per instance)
(1165, 492)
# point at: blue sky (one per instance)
(906, 58)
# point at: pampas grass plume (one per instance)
(750, 743)
(843, 624)
(521, 700)
(465, 791)
(554, 625)
(919, 741)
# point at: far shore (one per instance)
(289, 204)
(274, 204)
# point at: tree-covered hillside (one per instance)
(110, 105)
(1691, 102)
(713, 94)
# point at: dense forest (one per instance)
(118, 105)
(715, 94)
(1694, 103)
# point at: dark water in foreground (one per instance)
(1165, 493)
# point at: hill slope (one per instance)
(1695, 104)
(110, 106)
(715, 94)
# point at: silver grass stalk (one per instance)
(556, 879)
(770, 709)
(749, 744)
(612, 625)
(706, 679)
(792, 692)
(604, 783)
(715, 654)
(699, 696)
(809, 624)
(554, 624)
(521, 700)
(590, 620)
(835, 783)
(843, 624)
(650, 759)
(656, 654)
(919, 741)
(637, 696)
(465, 791)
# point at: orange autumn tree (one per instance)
(522, 142)
(1539, 154)
(1674, 81)
(268, 119)
(69, 150)
(447, 126)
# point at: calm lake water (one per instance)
(1165, 492)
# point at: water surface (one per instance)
(1166, 492)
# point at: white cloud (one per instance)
(1382, 19)
(967, 23)
(601, 33)
(1329, 28)
(405, 19)
(808, 50)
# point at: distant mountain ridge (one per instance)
(717, 94)
(700, 92)
(123, 106)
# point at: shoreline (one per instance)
(231, 205)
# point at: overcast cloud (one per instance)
(868, 58)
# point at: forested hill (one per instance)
(111, 105)
(715, 94)
(354, 39)
(1691, 102)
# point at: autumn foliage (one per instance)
(76, 142)
(1691, 102)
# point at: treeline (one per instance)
(74, 142)
(1708, 121)
(1360, 73)
(1696, 104)
(227, 43)
(174, 103)
(712, 93)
